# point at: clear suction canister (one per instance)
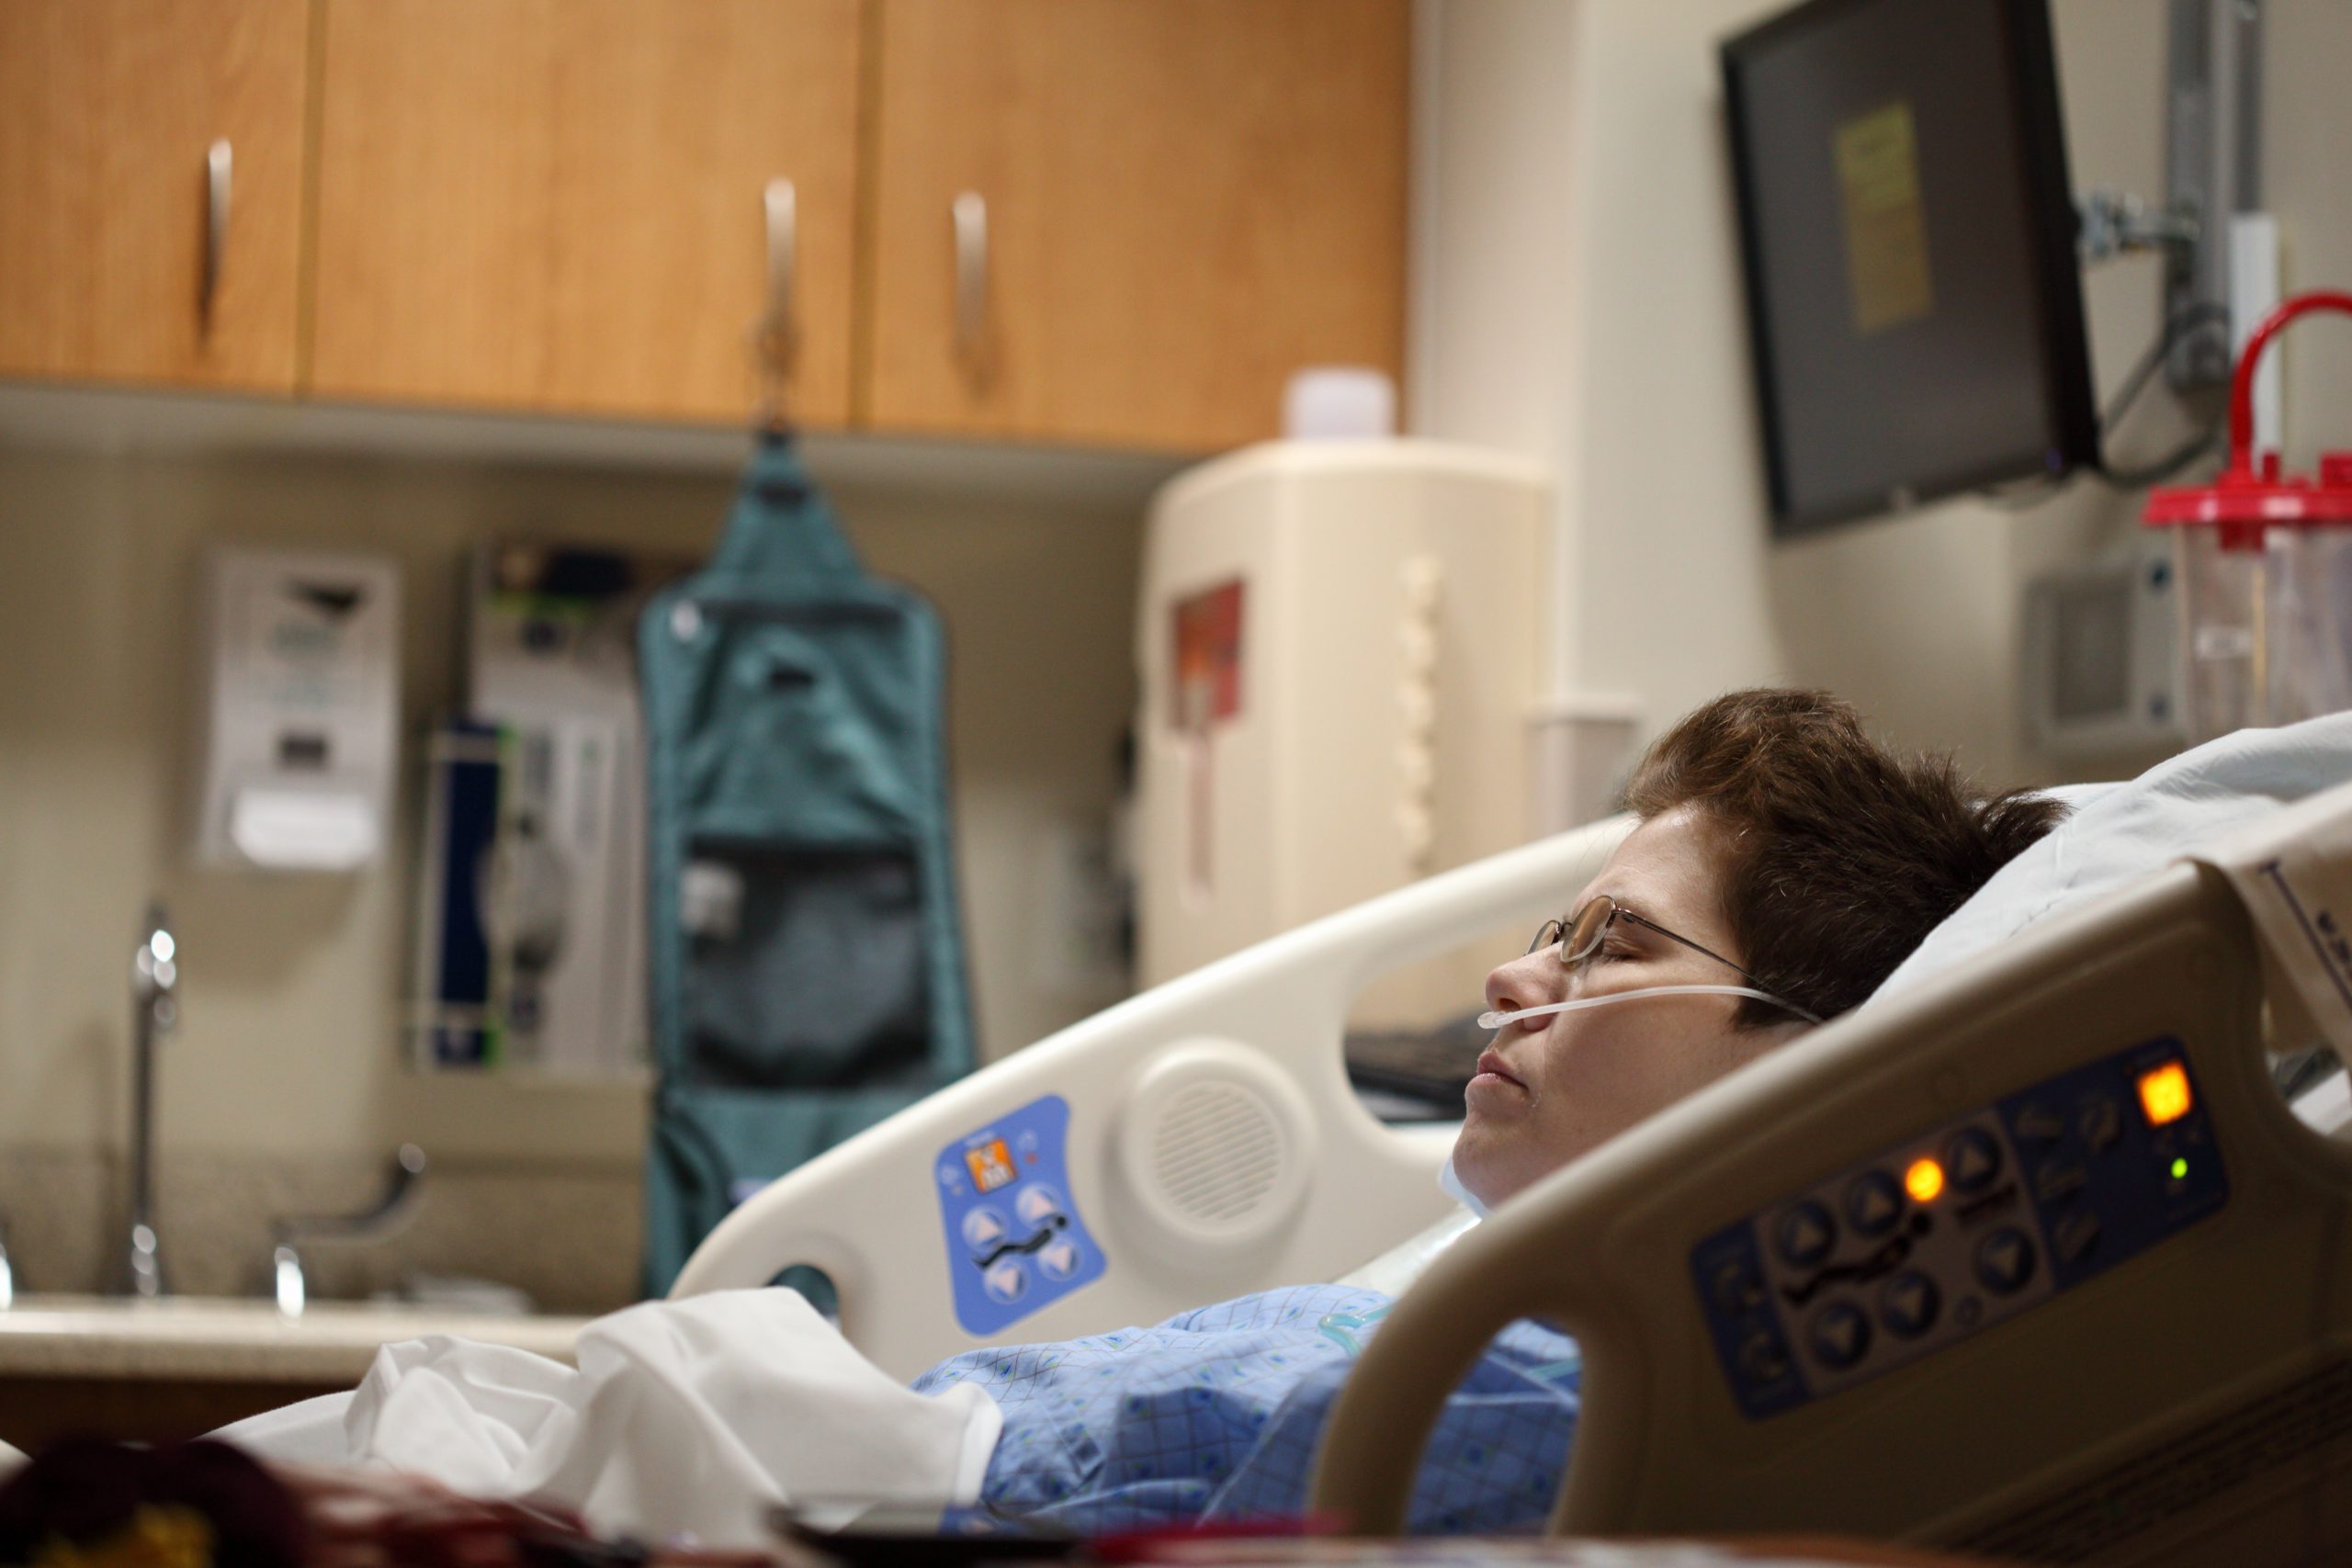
(2266, 619)
(2264, 562)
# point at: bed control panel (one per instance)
(1950, 1232)
(1015, 1241)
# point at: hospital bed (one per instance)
(2118, 1328)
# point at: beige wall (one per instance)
(1573, 155)
(292, 988)
(2306, 127)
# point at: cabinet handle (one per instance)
(218, 160)
(782, 206)
(971, 215)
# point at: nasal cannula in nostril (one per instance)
(1497, 1020)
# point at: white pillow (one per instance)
(2120, 832)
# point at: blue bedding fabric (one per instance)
(1213, 1416)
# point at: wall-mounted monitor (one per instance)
(1908, 240)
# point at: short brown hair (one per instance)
(1843, 856)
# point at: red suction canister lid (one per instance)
(2242, 501)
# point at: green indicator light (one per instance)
(2180, 1168)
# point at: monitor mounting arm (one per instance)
(2117, 223)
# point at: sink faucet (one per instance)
(155, 974)
(404, 1191)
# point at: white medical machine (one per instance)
(531, 912)
(1340, 649)
(299, 727)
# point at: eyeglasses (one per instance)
(1582, 930)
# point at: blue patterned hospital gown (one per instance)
(1213, 1415)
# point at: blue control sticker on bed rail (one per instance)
(1015, 1243)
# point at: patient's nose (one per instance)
(1522, 983)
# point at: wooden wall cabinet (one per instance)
(557, 205)
(1183, 202)
(108, 110)
(1112, 222)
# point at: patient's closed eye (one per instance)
(1625, 940)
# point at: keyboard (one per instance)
(1433, 1064)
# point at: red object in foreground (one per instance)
(2251, 494)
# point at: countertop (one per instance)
(201, 1339)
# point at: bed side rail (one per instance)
(1260, 1031)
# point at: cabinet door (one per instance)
(107, 112)
(558, 204)
(1186, 200)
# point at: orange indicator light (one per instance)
(2163, 1093)
(1923, 1180)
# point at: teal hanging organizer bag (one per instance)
(806, 958)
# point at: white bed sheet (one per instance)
(685, 1417)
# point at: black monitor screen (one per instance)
(1908, 237)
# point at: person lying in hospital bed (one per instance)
(1783, 856)
(1782, 866)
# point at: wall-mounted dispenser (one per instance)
(300, 730)
(531, 919)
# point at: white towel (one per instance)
(684, 1417)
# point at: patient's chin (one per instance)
(1491, 1167)
(1497, 1167)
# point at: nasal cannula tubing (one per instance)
(1497, 1019)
